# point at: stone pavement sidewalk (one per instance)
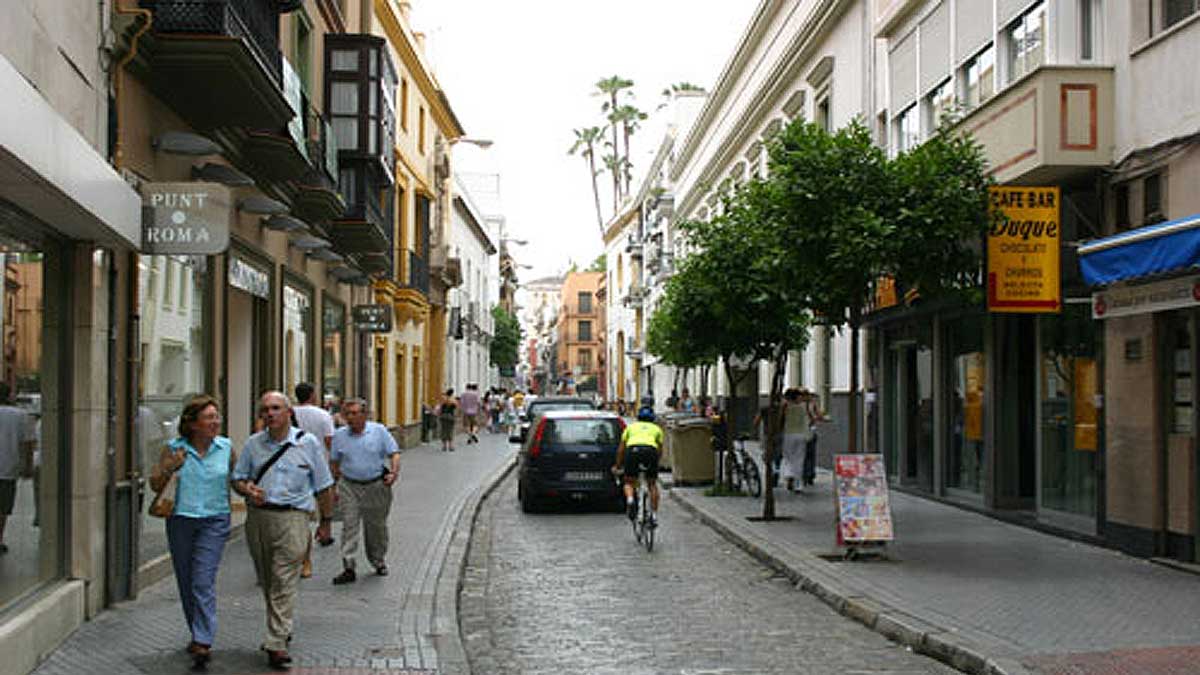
(983, 595)
(405, 623)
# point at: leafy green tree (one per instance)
(600, 264)
(585, 144)
(506, 339)
(629, 118)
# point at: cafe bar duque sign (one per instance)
(186, 218)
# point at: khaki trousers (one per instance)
(369, 506)
(277, 541)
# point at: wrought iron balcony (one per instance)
(365, 227)
(418, 273)
(217, 62)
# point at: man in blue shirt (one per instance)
(284, 477)
(366, 461)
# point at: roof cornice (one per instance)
(403, 40)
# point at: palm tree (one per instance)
(585, 144)
(628, 117)
(676, 88)
(611, 87)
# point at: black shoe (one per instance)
(346, 577)
(381, 570)
(631, 510)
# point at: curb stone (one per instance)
(922, 636)
(447, 638)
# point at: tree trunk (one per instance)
(595, 189)
(616, 168)
(851, 403)
(774, 434)
(625, 168)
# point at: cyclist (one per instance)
(641, 444)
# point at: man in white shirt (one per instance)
(16, 454)
(313, 419)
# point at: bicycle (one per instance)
(742, 469)
(643, 521)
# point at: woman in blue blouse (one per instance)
(199, 525)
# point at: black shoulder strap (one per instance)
(262, 470)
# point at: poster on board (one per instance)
(861, 490)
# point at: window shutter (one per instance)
(973, 28)
(902, 67)
(935, 47)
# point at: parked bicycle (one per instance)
(742, 470)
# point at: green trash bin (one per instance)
(691, 451)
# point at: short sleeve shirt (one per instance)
(16, 429)
(642, 433)
(363, 456)
(470, 403)
(300, 473)
(315, 421)
(203, 489)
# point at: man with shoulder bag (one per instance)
(283, 474)
(366, 461)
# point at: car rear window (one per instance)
(583, 431)
(536, 409)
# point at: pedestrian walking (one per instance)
(686, 403)
(284, 477)
(314, 420)
(197, 526)
(796, 432)
(510, 416)
(815, 417)
(470, 406)
(366, 463)
(17, 440)
(495, 409)
(447, 413)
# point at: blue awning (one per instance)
(1173, 246)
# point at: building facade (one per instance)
(580, 334)
(470, 324)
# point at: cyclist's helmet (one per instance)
(645, 414)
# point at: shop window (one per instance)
(174, 361)
(1152, 200)
(1069, 385)
(30, 488)
(1026, 39)
(1180, 394)
(297, 336)
(333, 351)
(979, 78)
(967, 377)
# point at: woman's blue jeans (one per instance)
(196, 547)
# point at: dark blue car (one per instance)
(567, 457)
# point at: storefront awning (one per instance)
(1173, 246)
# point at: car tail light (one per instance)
(535, 448)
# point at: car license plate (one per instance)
(583, 475)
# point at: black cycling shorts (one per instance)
(641, 459)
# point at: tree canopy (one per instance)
(506, 339)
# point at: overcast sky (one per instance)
(521, 73)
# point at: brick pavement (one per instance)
(573, 593)
(378, 624)
(982, 592)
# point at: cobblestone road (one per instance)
(378, 625)
(573, 593)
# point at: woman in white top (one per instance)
(797, 429)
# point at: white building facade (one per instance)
(470, 324)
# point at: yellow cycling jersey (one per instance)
(643, 433)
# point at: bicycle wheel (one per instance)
(647, 526)
(734, 473)
(753, 479)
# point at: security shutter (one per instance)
(972, 26)
(1011, 9)
(902, 68)
(935, 47)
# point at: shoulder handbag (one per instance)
(163, 504)
(262, 470)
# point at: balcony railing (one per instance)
(254, 21)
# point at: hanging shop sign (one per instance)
(247, 277)
(1023, 251)
(861, 490)
(186, 218)
(372, 318)
(1159, 296)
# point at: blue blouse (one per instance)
(203, 489)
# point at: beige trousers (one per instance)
(277, 541)
(368, 506)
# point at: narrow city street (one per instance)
(571, 592)
(381, 623)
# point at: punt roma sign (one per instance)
(186, 218)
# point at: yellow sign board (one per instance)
(1023, 251)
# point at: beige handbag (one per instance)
(163, 504)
